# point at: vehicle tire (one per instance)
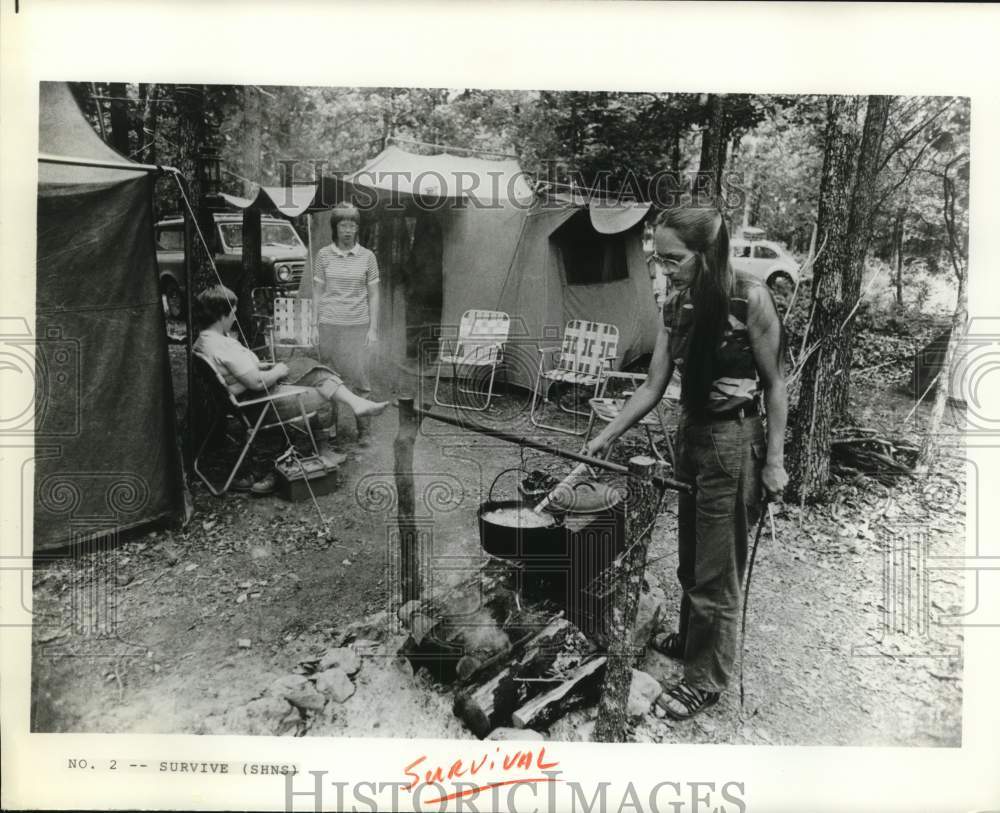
(173, 299)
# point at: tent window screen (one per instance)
(590, 258)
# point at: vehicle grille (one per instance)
(297, 268)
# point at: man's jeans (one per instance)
(723, 460)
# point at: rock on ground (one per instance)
(263, 716)
(514, 734)
(643, 692)
(648, 615)
(335, 684)
(342, 658)
(298, 691)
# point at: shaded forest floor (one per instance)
(207, 618)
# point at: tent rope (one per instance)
(239, 327)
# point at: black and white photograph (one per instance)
(506, 419)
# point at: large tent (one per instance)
(106, 454)
(474, 234)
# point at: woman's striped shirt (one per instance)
(341, 279)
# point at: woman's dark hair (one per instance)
(703, 231)
(212, 304)
(341, 212)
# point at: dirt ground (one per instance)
(205, 619)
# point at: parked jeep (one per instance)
(282, 256)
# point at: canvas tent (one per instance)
(106, 456)
(475, 228)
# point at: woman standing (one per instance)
(722, 332)
(346, 299)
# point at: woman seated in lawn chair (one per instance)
(244, 373)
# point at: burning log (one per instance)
(484, 706)
(581, 688)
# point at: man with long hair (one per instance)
(722, 332)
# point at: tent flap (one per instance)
(612, 219)
(106, 454)
(291, 201)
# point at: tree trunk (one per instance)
(809, 458)
(846, 211)
(191, 132)
(897, 245)
(250, 269)
(859, 234)
(119, 117)
(713, 147)
(147, 127)
(251, 162)
(675, 156)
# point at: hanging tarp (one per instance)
(105, 442)
(614, 218)
(291, 201)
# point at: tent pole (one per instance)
(46, 158)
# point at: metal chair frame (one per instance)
(225, 404)
(606, 409)
(574, 366)
(482, 335)
(292, 319)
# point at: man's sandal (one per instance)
(683, 701)
(669, 644)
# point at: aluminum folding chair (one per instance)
(588, 349)
(604, 407)
(291, 326)
(254, 414)
(480, 345)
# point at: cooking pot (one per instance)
(515, 542)
(573, 509)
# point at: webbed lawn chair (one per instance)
(291, 326)
(606, 407)
(588, 349)
(480, 344)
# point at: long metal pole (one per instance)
(597, 463)
(48, 158)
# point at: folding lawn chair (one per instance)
(292, 325)
(480, 345)
(254, 414)
(588, 349)
(606, 408)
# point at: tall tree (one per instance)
(713, 145)
(860, 224)
(191, 143)
(847, 194)
(119, 117)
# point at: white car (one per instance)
(766, 260)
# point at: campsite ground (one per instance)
(206, 618)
